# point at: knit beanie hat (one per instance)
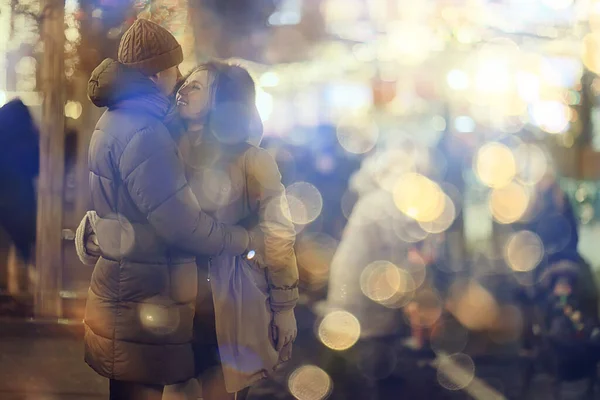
(149, 48)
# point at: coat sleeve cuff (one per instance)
(283, 299)
(237, 242)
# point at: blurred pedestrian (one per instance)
(19, 167)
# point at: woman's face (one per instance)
(193, 98)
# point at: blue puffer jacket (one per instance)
(140, 307)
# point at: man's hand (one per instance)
(284, 332)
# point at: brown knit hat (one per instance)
(149, 47)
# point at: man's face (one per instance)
(167, 79)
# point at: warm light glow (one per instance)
(524, 251)
(495, 165)
(73, 109)
(493, 76)
(264, 103)
(528, 86)
(551, 116)
(304, 201)
(419, 197)
(310, 382)
(444, 220)
(590, 55)
(509, 203)
(558, 4)
(339, 330)
(269, 79)
(385, 283)
(458, 79)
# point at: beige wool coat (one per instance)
(241, 184)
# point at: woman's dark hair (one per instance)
(233, 116)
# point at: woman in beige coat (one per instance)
(250, 313)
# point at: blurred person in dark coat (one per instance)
(19, 166)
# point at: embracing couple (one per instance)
(195, 273)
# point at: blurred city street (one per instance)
(411, 187)
(44, 361)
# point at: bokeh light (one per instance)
(495, 165)
(356, 137)
(458, 79)
(532, 163)
(73, 109)
(159, 319)
(419, 197)
(385, 283)
(551, 116)
(305, 203)
(455, 372)
(444, 220)
(524, 251)
(339, 330)
(310, 382)
(509, 203)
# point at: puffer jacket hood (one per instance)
(112, 85)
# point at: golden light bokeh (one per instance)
(444, 220)
(590, 53)
(339, 330)
(509, 203)
(305, 203)
(310, 382)
(408, 231)
(385, 283)
(419, 197)
(495, 165)
(551, 116)
(524, 251)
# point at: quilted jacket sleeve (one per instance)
(277, 229)
(153, 173)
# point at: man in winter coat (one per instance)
(140, 309)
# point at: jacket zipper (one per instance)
(209, 265)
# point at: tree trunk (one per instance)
(49, 258)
